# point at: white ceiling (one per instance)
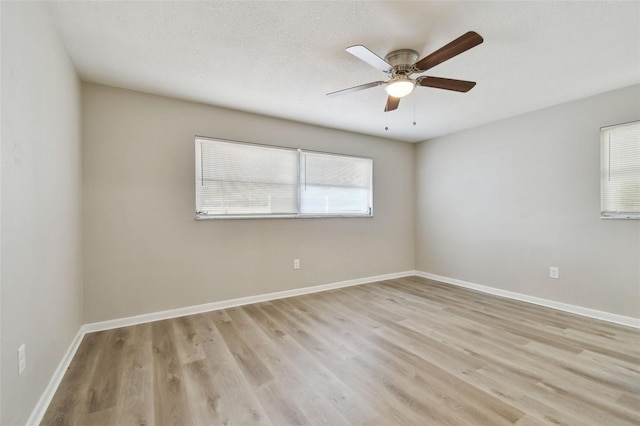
(281, 58)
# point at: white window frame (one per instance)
(298, 214)
(629, 153)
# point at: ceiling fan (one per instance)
(399, 65)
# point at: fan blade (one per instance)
(456, 47)
(356, 88)
(392, 103)
(446, 83)
(369, 57)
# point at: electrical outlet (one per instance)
(554, 272)
(22, 359)
(296, 263)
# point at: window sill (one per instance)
(281, 216)
(622, 216)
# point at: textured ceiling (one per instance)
(281, 58)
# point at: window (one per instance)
(242, 180)
(334, 184)
(620, 171)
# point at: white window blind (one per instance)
(236, 180)
(335, 184)
(620, 171)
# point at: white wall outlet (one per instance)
(22, 359)
(554, 272)
(296, 263)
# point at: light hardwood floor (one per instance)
(408, 351)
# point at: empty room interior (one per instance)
(320, 213)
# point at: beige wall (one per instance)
(143, 250)
(41, 189)
(498, 204)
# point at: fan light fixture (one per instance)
(400, 86)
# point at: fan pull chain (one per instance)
(386, 121)
(414, 109)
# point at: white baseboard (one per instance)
(43, 403)
(213, 306)
(579, 310)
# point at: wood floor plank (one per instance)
(299, 389)
(530, 421)
(352, 374)
(71, 397)
(351, 344)
(170, 399)
(279, 406)
(188, 342)
(403, 361)
(349, 403)
(236, 403)
(346, 402)
(99, 418)
(134, 407)
(407, 351)
(405, 368)
(249, 362)
(104, 388)
(514, 391)
(537, 363)
(203, 395)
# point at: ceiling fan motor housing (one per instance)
(402, 60)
